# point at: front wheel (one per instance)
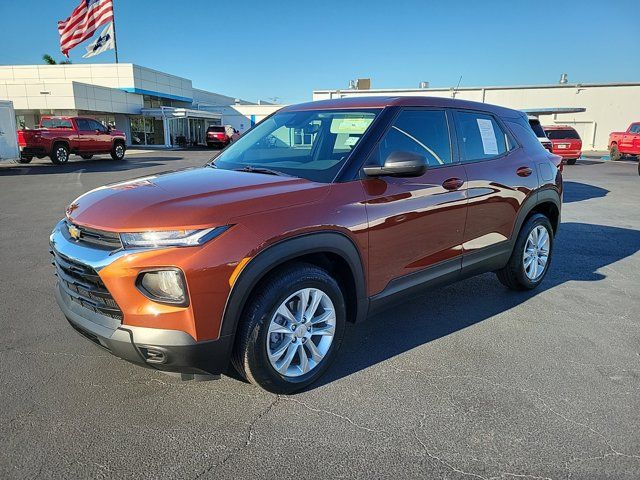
(60, 154)
(117, 152)
(531, 256)
(291, 329)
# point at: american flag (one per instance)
(83, 22)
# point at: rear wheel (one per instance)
(59, 154)
(291, 329)
(531, 255)
(117, 152)
(571, 161)
(24, 159)
(614, 153)
(87, 157)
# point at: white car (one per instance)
(539, 131)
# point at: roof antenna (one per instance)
(455, 90)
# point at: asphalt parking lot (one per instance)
(471, 380)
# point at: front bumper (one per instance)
(158, 348)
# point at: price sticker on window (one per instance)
(356, 125)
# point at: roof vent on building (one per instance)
(564, 79)
(360, 84)
(424, 85)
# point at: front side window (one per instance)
(635, 128)
(312, 144)
(424, 132)
(95, 125)
(480, 136)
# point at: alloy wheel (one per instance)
(536, 253)
(61, 155)
(301, 332)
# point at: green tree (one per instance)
(49, 60)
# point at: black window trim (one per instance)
(503, 127)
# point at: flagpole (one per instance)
(115, 40)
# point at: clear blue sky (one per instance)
(286, 49)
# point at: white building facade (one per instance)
(153, 108)
(608, 106)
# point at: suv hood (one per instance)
(194, 198)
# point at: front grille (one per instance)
(96, 238)
(85, 287)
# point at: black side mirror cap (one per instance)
(399, 164)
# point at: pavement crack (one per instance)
(247, 442)
(444, 462)
(334, 414)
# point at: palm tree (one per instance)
(49, 60)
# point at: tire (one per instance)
(118, 150)
(571, 161)
(24, 159)
(514, 275)
(614, 153)
(255, 338)
(59, 154)
(87, 157)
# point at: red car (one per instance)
(261, 257)
(625, 143)
(566, 142)
(58, 137)
(218, 136)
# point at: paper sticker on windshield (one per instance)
(350, 125)
(488, 135)
(351, 141)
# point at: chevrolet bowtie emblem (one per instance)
(74, 232)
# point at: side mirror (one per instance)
(399, 164)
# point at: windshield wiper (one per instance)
(264, 170)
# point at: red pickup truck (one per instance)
(625, 143)
(58, 137)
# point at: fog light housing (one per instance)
(164, 286)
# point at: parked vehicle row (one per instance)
(320, 215)
(58, 137)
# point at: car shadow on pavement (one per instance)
(577, 192)
(441, 312)
(87, 166)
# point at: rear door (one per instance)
(86, 135)
(416, 223)
(500, 176)
(101, 137)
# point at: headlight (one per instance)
(170, 238)
(164, 286)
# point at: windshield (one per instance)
(307, 144)
(562, 134)
(537, 128)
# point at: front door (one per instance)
(415, 224)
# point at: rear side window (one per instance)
(56, 123)
(425, 132)
(563, 134)
(480, 137)
(83, 124)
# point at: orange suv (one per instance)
(321, 214)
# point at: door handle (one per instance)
(524, 171)
(452, 183)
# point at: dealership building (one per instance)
(153, 108)
(608, 107)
